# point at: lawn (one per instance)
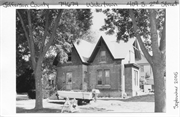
(145, 104)
(142, 98)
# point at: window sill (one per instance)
(68, 62)
(102, 62)
(103, 86)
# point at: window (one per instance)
(99, 77)
(85, 76)
(107, 76)
(136, 78)
(69, 57)
(103, 77)
(142, 68)
(103, 56)
(69, 77)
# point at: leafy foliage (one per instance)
(73, 24)
(148, 26)
(36, 39)
(119, 21)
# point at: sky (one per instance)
(98, 22)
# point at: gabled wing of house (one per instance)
(101, 66)
(118, 50)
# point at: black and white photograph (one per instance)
(64, 63)
(95, 59)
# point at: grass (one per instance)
(142, 98)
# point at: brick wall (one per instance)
(109, 93)
(76, 76)
(77, 69)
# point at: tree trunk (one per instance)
(159, 88)
(38, 82)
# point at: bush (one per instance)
(46, 94)
(25, 82)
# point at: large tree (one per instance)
(43, 29)
(148, 26)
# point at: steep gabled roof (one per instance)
(119, 49)
(87, 50)
(84, 49)
(97, 47)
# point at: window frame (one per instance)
(69, 56)
(142, 68)
(136, 79)
(102, 56)
(98, 77)
(107, 82)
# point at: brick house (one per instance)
(107, 65)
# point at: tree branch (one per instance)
(135, 27)
(22, 23)
(26, 34)
(46, 29)
(32, 49)
(154, 34)
(53, 33)
(162, 46)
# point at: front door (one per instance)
(69, 81)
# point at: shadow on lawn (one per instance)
(82, 104)
(142, 98)
(44, 110)
(57, 102)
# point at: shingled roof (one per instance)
(84, 49)
(118, 50)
